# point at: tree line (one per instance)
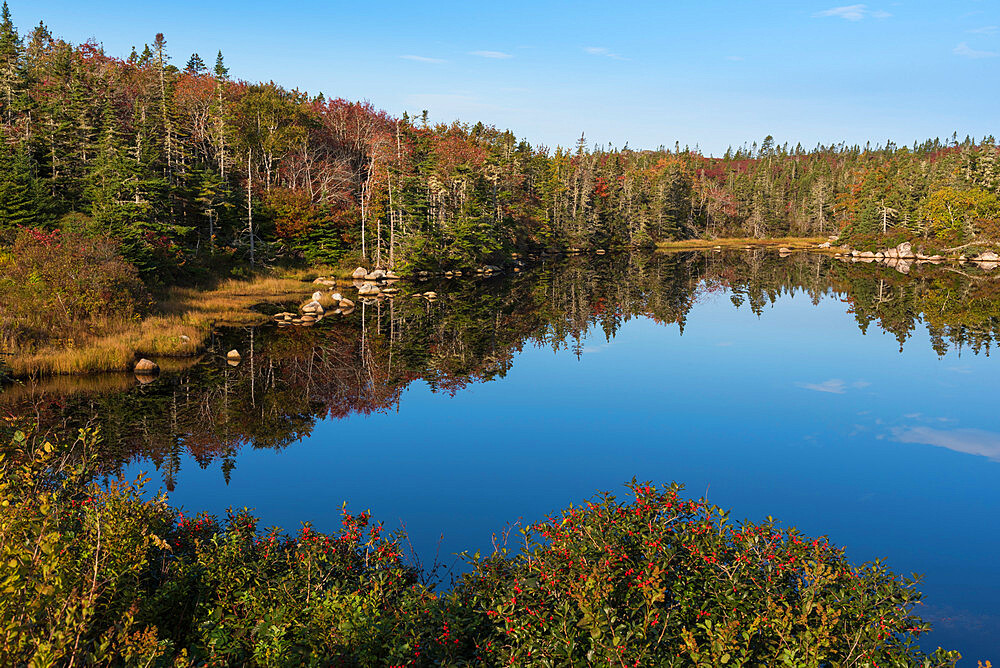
(189, 169)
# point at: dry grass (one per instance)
(739, 242)
(184, 320)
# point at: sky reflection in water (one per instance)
(794, 414)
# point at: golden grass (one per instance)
(739, 242)
(183, 321)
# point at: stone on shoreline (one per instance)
(145, 367)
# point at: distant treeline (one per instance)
(187, 168)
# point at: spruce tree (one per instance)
(10, 62)
(221, 71)
(23, 200)
(195, 65)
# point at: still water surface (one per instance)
(847, 400)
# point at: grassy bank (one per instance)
(179, 323)
(740, 242)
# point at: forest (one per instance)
(191, 172)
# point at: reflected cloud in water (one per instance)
(969, 441)
(834, 386)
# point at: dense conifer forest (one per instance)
(188, 169)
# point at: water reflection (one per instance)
(773, 382)
(969, 441)
(290, 379)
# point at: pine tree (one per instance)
(195, 65)
(10, 62)
(221, 71)
(23, 200)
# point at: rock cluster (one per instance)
(904, 256)
(375, 283)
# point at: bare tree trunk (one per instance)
(250, 207)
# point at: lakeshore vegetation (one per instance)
(102, 574)
(123, 177)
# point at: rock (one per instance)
(903, 266)
(368, 289)
(319, 281)
(879, 255)
(855, 253)
(431, 294)
(379, 273)
(392, 276)
(905, 249)
(317, 296)
(448, 274)
(185, 338)
(784, 249)
(892, 253)
(145, 367)
(389, 291)
(233, 355)
(825, 244)
(988, 256)
(866, 254)
(308, 318)
(347, 311)
(359, 273)
(346, 303)
(336, 296)
(458, 273)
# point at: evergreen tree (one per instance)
(221, 71)
(10, 63)
(23, 200)
(195, 65)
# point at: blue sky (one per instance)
(709, 73)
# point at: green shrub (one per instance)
(103, 574)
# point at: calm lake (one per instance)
(846, 399)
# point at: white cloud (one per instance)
(499, 55)
(424, 59)
(968, 441)
(985, 30)
(603, 51)
(854, 13)
(967, 51)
